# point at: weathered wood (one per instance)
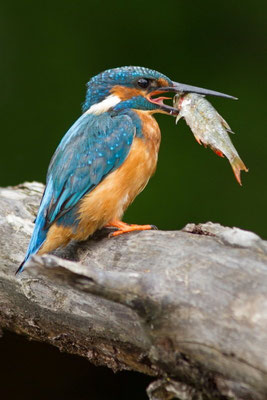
(189, 307)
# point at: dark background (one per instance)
(50, 49)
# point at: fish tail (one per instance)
(238, 166)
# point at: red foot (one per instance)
(125, 228)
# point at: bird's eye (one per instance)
(143, 83)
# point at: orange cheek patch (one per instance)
(163, 82)
(125, 93)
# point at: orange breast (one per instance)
(112, 196)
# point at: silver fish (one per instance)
(209, 128)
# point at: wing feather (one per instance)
(90, 150)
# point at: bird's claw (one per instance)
(126, 228)
(154, 228)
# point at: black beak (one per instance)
(183, 88)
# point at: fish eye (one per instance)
(143, 83)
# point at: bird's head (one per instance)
(135, 88)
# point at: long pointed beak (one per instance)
(183, 88)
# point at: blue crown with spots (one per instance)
(98, 88)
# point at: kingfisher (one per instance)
(106, 158)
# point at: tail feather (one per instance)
(39, 232)
(38, 238)
(21, 267)
(29, 253)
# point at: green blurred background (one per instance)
(51, 49)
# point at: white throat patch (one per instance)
(104, 105)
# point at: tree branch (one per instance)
(186, 306)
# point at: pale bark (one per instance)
(189, 307)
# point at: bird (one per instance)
(106, 158)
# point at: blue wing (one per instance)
(92, 148)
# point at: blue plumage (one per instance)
(117, 112)
(92, 148)
(39, 232)
(100, 85)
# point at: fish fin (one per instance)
(237, 166)
(178, 118)
(198, 140)
(230, 131)
(225, 124)
(218, 152)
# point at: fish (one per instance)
(209, 128)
